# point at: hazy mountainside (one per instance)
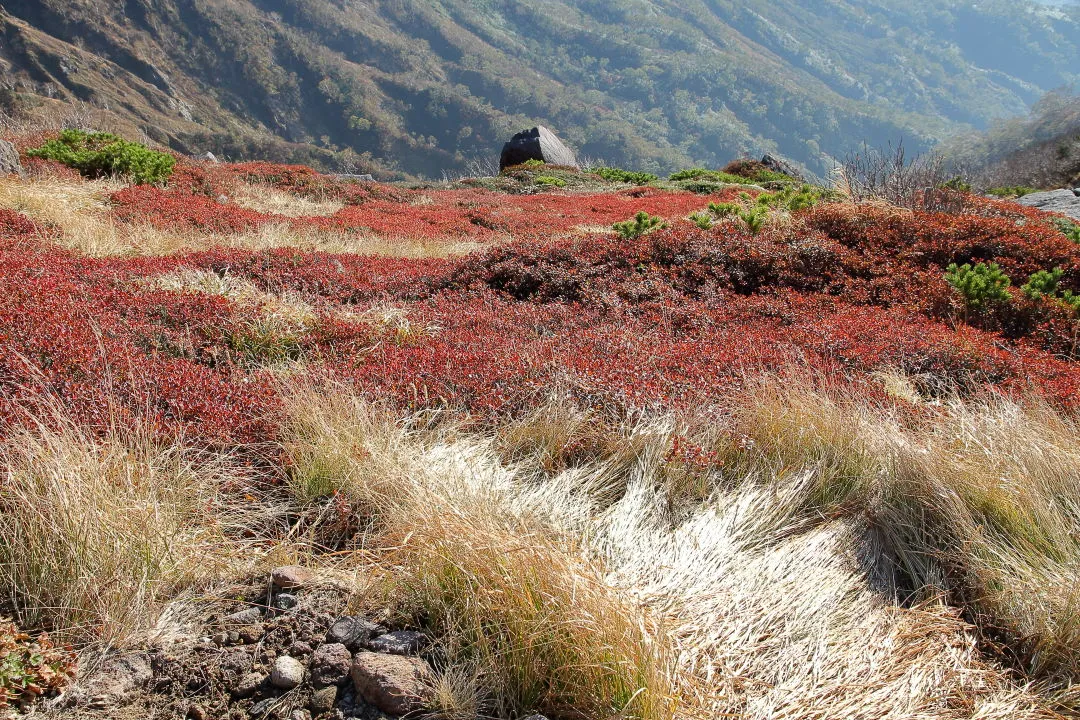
(421, 87)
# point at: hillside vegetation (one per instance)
(595, 448)
(424, 87)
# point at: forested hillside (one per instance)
(423, 87)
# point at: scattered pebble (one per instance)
(352, 632)
(291, 577)
(287, 674)
(402, 642)
(250, 616)
(286, 601)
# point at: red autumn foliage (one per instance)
(674, 319)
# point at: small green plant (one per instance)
(981, 285)
(533, 163)
(723, 210)
(1070, 229)
(715, 176)
(1046, 284)
(1043, 283)
(702, 219)
(642, 223)
(1012, 191)
(549, 181)
(102, 154)
(957, 184)
(754, 218)
(617, 175)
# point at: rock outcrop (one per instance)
(9, 159)
(1065, 202)
(537, 144)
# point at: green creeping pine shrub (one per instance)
(754, 218)
(1045, 284)
(550, 181)
(958, 184)
(1013, 191)
(702, 220)
(100, 154)
(723, 210)
(713, 175)
(1071, 229)
(642, 223)
(979, 285)
(1042, 284)
(533, 163)
(625, 176)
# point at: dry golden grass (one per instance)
(79, 210)
(265, 199)
(97, 533)
(776, 589)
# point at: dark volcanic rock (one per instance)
(536, 144)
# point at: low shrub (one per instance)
(101, 154)
(642, 223)
(1070, 229)
(980, 285)
(716, 176)
(1012, 191)
(549, 181)
(618, 175)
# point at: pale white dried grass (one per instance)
(776, 596)
(271, 200)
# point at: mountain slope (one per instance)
(421, 87)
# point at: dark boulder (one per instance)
(536, 144)
(777, 165)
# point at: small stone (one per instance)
(323, 699)
(351, 632)
(196, 712)
(262, 708)
(394, 684)
(221, 638)
(299, 649)
(300, 715)
(535, 717)
(232, 638)
(248, 685)
(286, 601)
(287, 674)
(291, 577)
(401, 642)
(330, 664)
(250, 616)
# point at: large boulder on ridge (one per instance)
(536, 144)
(1066, 202)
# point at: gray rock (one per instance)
(401, 642)
(330, 664)
(250, 616)
(323, 699)
(262, 708)
(538, 143)
(352, 632)
(394, 684)
(1061, 201)
(9, 159)
(248, 684)
(291, 577)
(777, 165)
(300, 715)
(286, 601)
(287, 674)
(118, 679)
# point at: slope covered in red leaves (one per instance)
(671, 320)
